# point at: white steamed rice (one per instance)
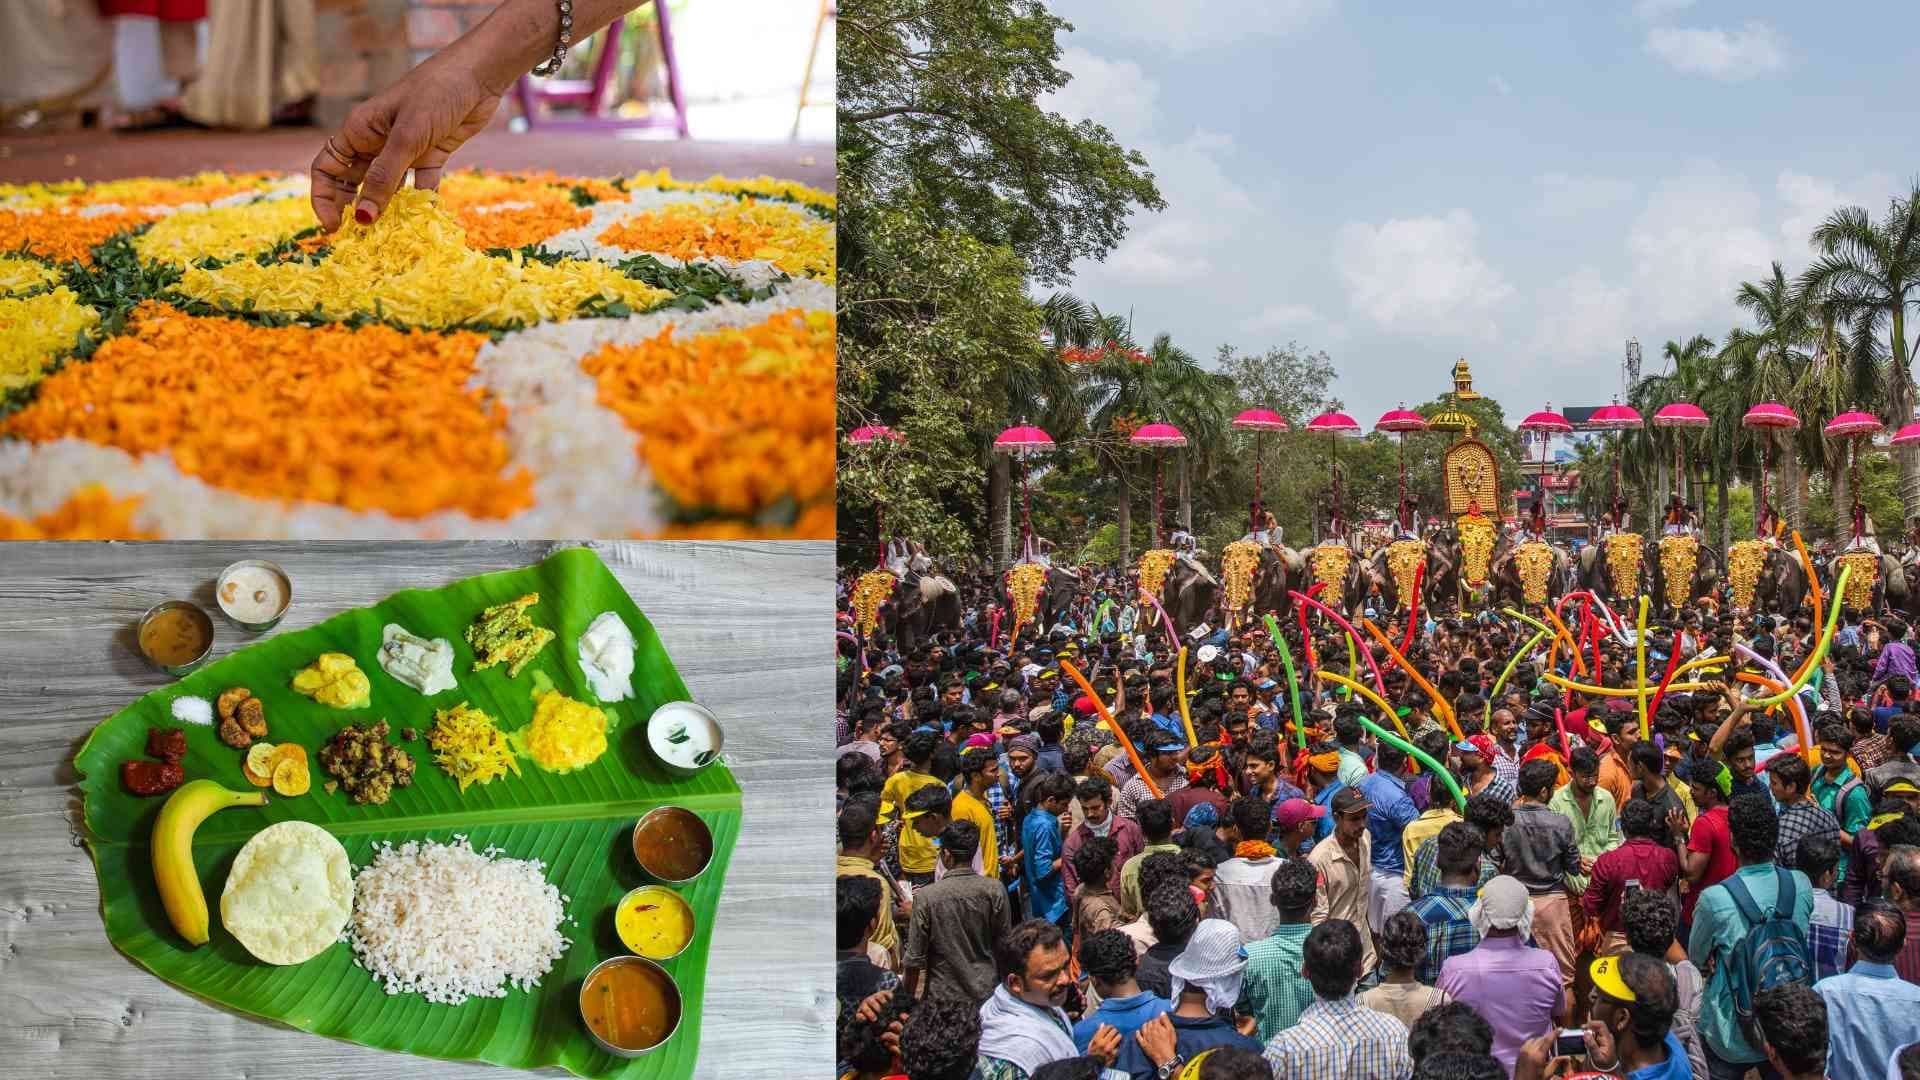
(447, 922)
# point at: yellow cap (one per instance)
(1607, 980)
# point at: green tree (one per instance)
(1870, 272)
(939, 107)
(943, 319)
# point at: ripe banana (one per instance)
(189, 805)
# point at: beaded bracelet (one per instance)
(566, 38)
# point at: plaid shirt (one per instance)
(1426, 869)
(1506, 771)
(1274, 992)
(1341, 1040)
(1449, 930)
(1872, 751)
(1829, 935)
(1799, 821)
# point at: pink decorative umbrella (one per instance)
(1335, 425)
(1548, 423)
(1681, 416)
(1854, 426)
(1399, 421)
(861, 436)
(1615, 417)
(865, 436)
(1767, 418)
(1021, 440)
(1157, 436)
(1258, 421)
(1907, 434)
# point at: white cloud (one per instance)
(1655, 10)
(1207, 213)
(1585, 322)
(1809, 199)
(1196, 24)
(1563, 195)
(1279, 317)
(1116, 93)
(1697, 238)
(1421, 275)
(1500, 85)
(1730, 55)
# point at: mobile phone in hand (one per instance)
(1571, 1042)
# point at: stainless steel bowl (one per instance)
(684, 819)
(693, 920)
(673, 997)
(193, 609)
(272, 568)
(688, 714)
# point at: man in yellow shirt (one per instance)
(916, 851)
(979, 770)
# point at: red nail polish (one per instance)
(363, 215)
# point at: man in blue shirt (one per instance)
(1107, 956)
(1041, 848)
(1719, 927)
(1392, 810)
(1871, 1010)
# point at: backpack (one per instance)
(1773, 952)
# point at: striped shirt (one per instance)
(1341, 1040)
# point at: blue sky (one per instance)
(1526, 184)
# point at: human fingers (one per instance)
(335, 176)
(405, 143)
(427, 170)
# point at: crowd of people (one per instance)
(1044, 880)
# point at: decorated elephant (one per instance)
(1189, 593)
(1390, 569)
(1889, 590)
(1345, 572)
(1530, 573)
(1615, 566)
(1281, 568)
(1680, 570)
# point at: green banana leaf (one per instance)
(578, 824)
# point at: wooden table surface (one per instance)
(743, 622)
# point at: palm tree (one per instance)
(1121, 394)
(1767, 362)
(1196, 401)
(1842, 371)
(1044, 391)
(1695, 372)
(1870, 272)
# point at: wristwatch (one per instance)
(1170, 1069)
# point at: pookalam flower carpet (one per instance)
(517, 355)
